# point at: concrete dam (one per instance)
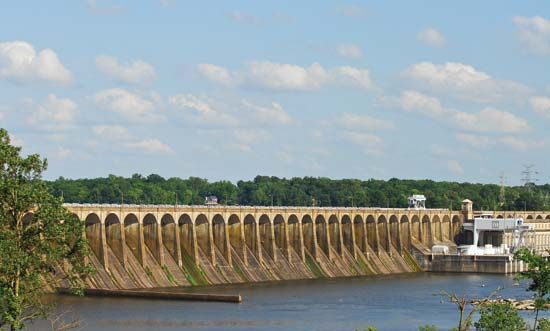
(144, 246)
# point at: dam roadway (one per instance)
(144, 246)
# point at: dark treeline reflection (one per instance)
(307, 191)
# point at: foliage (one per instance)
(265, 191)
(499, 317)
(543, 325)
(538, 272)
(33, 249)
(428, 327)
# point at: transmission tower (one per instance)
(502, 194)
(528, 176)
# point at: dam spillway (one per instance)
(144, 246)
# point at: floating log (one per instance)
(151, 294)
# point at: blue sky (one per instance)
(233, 89)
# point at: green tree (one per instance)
(538, 272)
(33, 249)
(499, 317)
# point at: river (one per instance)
(396, 302)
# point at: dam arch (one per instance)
(94, 236)
(405, 232)
(151, 236)
(446, 227)
(251, 234)
(348, 237)
(132, 235)
(308, 235)
(416, 228)
(280, 233)
(395, 231)
(295, 235)
(323, 239)
(360, 235)
(437, 231)
(372, 238)
(383, 231)
(219, 237)
(236, 237)
(187, 236)
(426, 231)
(170, 235)
(266, 235)
(334, 233)
(203, 236)
(114, 235)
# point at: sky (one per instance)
(456, 91)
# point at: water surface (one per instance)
(397, 302)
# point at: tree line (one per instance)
(306, 191)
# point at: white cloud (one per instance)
(20, 62)
(287, 77)
(277, 76)
(112, 132)
(134, 72)
(534, 33)
(369, 143)
(349, 51)
(541, 105)
(514, 142)
(413, 101)
(353, 121)
(53, 114)
(522, 144)
(431, 37)
(150, 146)
(120, 136)
(216, 74)
(490, 120)
(354, 76)
(246, 138)
(63, 153)
(455, 167)
(463, 81)
(132, 106)
(485, 120)
(200, 109)
(474, 140)
(268, 114)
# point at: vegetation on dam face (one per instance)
(306, 191)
